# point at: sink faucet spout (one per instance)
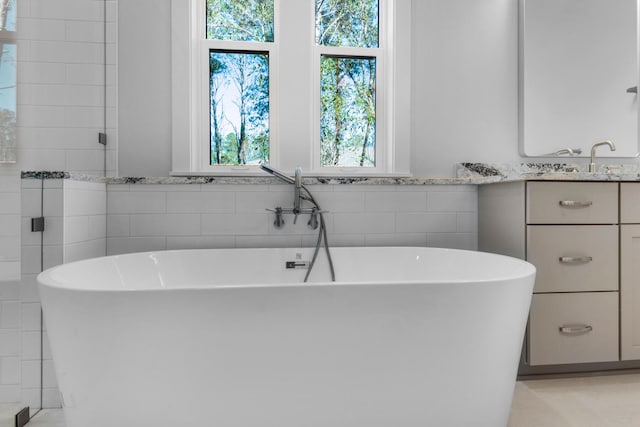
(592, 164)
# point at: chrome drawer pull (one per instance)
(574, 204)
(575, 259)
(575, 329)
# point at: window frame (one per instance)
(200, 144)
(381, 54)
(10, 38)
(190, 118)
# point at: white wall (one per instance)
(61, 96)
(10, 305)
(464, 85)
(61, 104)
(61, 100)
(144, 87)
(144, 217)
(84, 221)
(9, 225)
(75, 228)
(38, 249)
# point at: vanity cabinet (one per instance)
(571, 232)
(630, 271)
(573, 328)
(572, 239)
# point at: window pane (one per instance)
(347, 23)
(348, 104)
(7, 102)
(239, 107)
(240, 20)
(8, 15)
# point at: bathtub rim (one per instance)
(525, 270)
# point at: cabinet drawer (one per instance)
(574, 258)
(572, 202)
(630, 202)
(573, 328)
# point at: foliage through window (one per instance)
(8, 81)
(239, 81)
(347, 22)
(348, 117)
(240, 20)
(239, 104)
(239, 107)
(347, 82)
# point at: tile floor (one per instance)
(598, 401)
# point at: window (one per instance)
(312, 83)
(7, 81)
(238, 97)
(238, 107)
(348, 111)
(348, 81)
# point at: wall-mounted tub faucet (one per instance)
(298, 198)
(592, 164)
(316, 219)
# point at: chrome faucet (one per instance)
(592, 165)
(569, 151)
(316, 219)
(297, 199)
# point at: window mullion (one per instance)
(349, 51)
(238, 45)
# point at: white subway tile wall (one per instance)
(62, 105)
(66, 85)
(155, 217)
(38, 250)
(75, 228)
(9, 225)
(85, 220)
(10, 320)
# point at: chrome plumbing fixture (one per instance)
(280, 212)
(316, 220)
(592, 164)
(569, 151)
(298, 198)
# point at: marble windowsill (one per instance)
(466, 174)
(470, 180)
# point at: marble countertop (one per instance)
(506, 172)
(465, 174)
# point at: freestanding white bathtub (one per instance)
(407, 337)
